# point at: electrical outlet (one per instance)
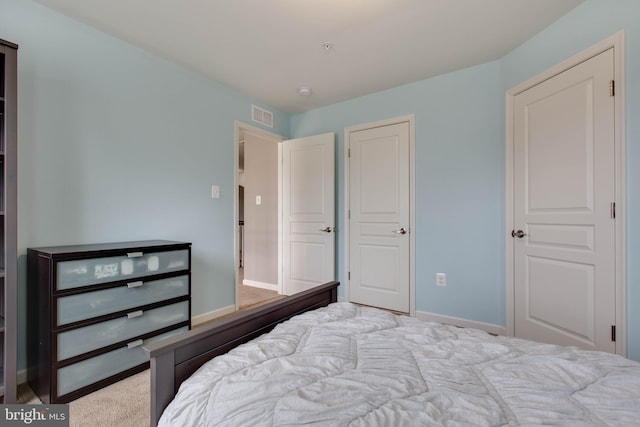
(441, 279)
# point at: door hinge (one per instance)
(349, 275)
(613, 333)
(612, 88)
(613, 210)
(348, 152)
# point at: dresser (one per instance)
(90, 309)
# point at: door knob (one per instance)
(401, 231)
(519, 234)
(326, 229)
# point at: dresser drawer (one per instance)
(86, 372)
(72, 274)
(87, 305)
(93, 337)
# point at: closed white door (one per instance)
(308, 212)
(379, 191)
(564, 186)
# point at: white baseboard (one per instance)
(456, 321)
(206, 317)
(261, 285)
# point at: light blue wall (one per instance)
(459, 184)
(585, 26)
(460, 162)
(116, 144)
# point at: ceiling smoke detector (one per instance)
(304, 91)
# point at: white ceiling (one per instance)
(267, 49)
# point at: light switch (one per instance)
(258, 200)
(215, 192)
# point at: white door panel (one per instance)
(302, 271)
(308, 201)
(379, 209)
(564, 179)
(307, 178)
(561, 299)
(560, 152)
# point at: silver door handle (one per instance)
(326, 229)
(401, 231)
(519, 234)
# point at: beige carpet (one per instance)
(251, 296)
(123, 404)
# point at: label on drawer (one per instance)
(153, 264)
(126, 265)
(106, 270)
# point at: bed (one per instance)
(328, 363)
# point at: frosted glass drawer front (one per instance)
(97, 368)
(72, 274)
(93, 337)
(137, 293)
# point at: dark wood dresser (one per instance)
(90, 308)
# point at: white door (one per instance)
(308, 201)
(564, 248)
(379, 217)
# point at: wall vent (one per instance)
(262, 116)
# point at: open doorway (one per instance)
(258, 216)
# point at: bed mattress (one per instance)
(348, 365)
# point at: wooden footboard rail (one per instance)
(173, 360)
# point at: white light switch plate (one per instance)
(215, 192)
(258, 200)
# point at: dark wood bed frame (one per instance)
(173, 360)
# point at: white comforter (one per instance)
(347, 365)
